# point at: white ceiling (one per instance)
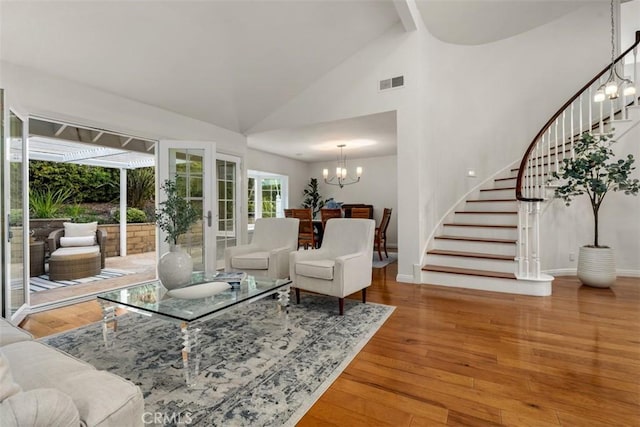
(231, 63)
(367, 136)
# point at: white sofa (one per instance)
(42, 386)
(268, 253)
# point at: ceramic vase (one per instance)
(596, 267)
(175, 268)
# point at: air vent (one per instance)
(391, 83)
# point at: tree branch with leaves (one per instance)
(594, 171)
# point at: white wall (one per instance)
(53, 97)
(564, 229)
(297, 171)
(350, 90)
(378, 187)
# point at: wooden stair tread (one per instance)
(505, 179)
(470, 254)
(476, 239)
(498, 189)
(469, 272)
(488, 212)
(455, 224)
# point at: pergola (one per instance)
(60, 142)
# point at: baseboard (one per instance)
(573, 272)
(404, 278)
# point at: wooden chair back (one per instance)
(360, 213)
(327, 214)
(306, 235)
(381, 233)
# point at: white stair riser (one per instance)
(471, 263)
(478, 247)
(497, 194)
(486, 283)
(634, 112)
(485, 232)
(504, 183)
(491, 206)
(486, 219)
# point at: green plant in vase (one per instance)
(594, 171)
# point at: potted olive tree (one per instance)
(175, 217)
(595, 172)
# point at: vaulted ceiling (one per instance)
(231, 62)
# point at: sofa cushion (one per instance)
(67, 242)
(102, 398)
(319, 269)
(76, 250)
(41, 407)
(8, 387)
(80, 230)
(251, 261)
(10, 333)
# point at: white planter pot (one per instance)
(175, 268)
(596, 267)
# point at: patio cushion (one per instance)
(67, 242)
(80, 230)
(251, 261)
(318, 269)
(76, 250)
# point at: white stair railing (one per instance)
(555, 142)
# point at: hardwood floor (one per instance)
(456, 357)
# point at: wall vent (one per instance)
(391, 83)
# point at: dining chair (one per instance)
(326, 214)
(360, 213)
(306, 235)
(380, 237)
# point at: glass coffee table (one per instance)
(152, 299)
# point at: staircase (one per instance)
(477, 247)
(491, 241)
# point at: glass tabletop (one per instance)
(152, 298)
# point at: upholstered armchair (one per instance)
(268, 253)
(341, 266)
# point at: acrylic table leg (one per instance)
(109, 322)
(283, 299)
(190, 352)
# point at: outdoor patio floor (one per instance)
(142, 267)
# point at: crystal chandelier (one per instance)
(341, 177)
(611, 88)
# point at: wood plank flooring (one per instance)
(456, 357)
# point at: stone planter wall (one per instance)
(140, 238)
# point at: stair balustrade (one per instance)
(555, 142)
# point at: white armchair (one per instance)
(341, 266)
(268, 253)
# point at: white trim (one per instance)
(405, 278)
(573, 272)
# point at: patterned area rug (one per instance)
(393, 257)
(42, 283)
(259, 366)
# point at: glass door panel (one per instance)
(15, 292)
(188, 164)
(227, 170)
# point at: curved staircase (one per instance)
(492, 241)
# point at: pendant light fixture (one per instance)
(341, 177)
(615, 82)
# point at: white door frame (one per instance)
(209, 206)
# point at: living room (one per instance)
(429, 175)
